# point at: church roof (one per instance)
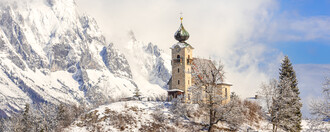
(202, 69)
(181, 45)
(175, 90)
(224, 83)
(181, 34)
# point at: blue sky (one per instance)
(306, 7)
(311, 51)
(306, 52)
(309, 48)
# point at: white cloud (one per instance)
(220, 29)
(310, 80)
(233, 31)
(289, 27)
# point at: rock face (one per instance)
(116, 62)
(160, 72)
(50, 53)
(151, 67)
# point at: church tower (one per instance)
(181, 64)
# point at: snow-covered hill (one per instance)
(126, 116)
(155, 116)
(51, 53)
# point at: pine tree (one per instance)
(286, 105)
(26, 120)
(63, 116)
(137, 93)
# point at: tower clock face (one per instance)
(177, 49)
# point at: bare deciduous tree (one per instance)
(320, 109)
(206, 91)
(268, 92)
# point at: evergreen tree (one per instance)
(137, 93)
(1, 125)
(26, 120)
(286, 105)
(63, 116)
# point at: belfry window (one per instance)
(178, 58)
(188, 60)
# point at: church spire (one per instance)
(181, 34)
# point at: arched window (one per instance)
(178, 70)
(178, 57)
(188, 60)
(178, 81)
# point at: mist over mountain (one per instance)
(50, 53)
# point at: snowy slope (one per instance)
(51, 53)
(127, 116)
(152, 116)
(151, 67)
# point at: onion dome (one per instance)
(181, 35)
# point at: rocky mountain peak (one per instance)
(50, 53)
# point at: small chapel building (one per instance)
(185, 67)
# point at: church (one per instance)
(185, 70)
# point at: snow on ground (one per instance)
(267, 126)
(132, 116)
(51, 53)
(111, 85)
(139, 116)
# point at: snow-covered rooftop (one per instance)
(174, 90)
(181, 45)
(224, 83)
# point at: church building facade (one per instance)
(184, 67)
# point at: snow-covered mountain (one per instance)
(151, 67)
(51, 53)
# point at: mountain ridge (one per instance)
(50, 53)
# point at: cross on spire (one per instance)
(181, 16)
